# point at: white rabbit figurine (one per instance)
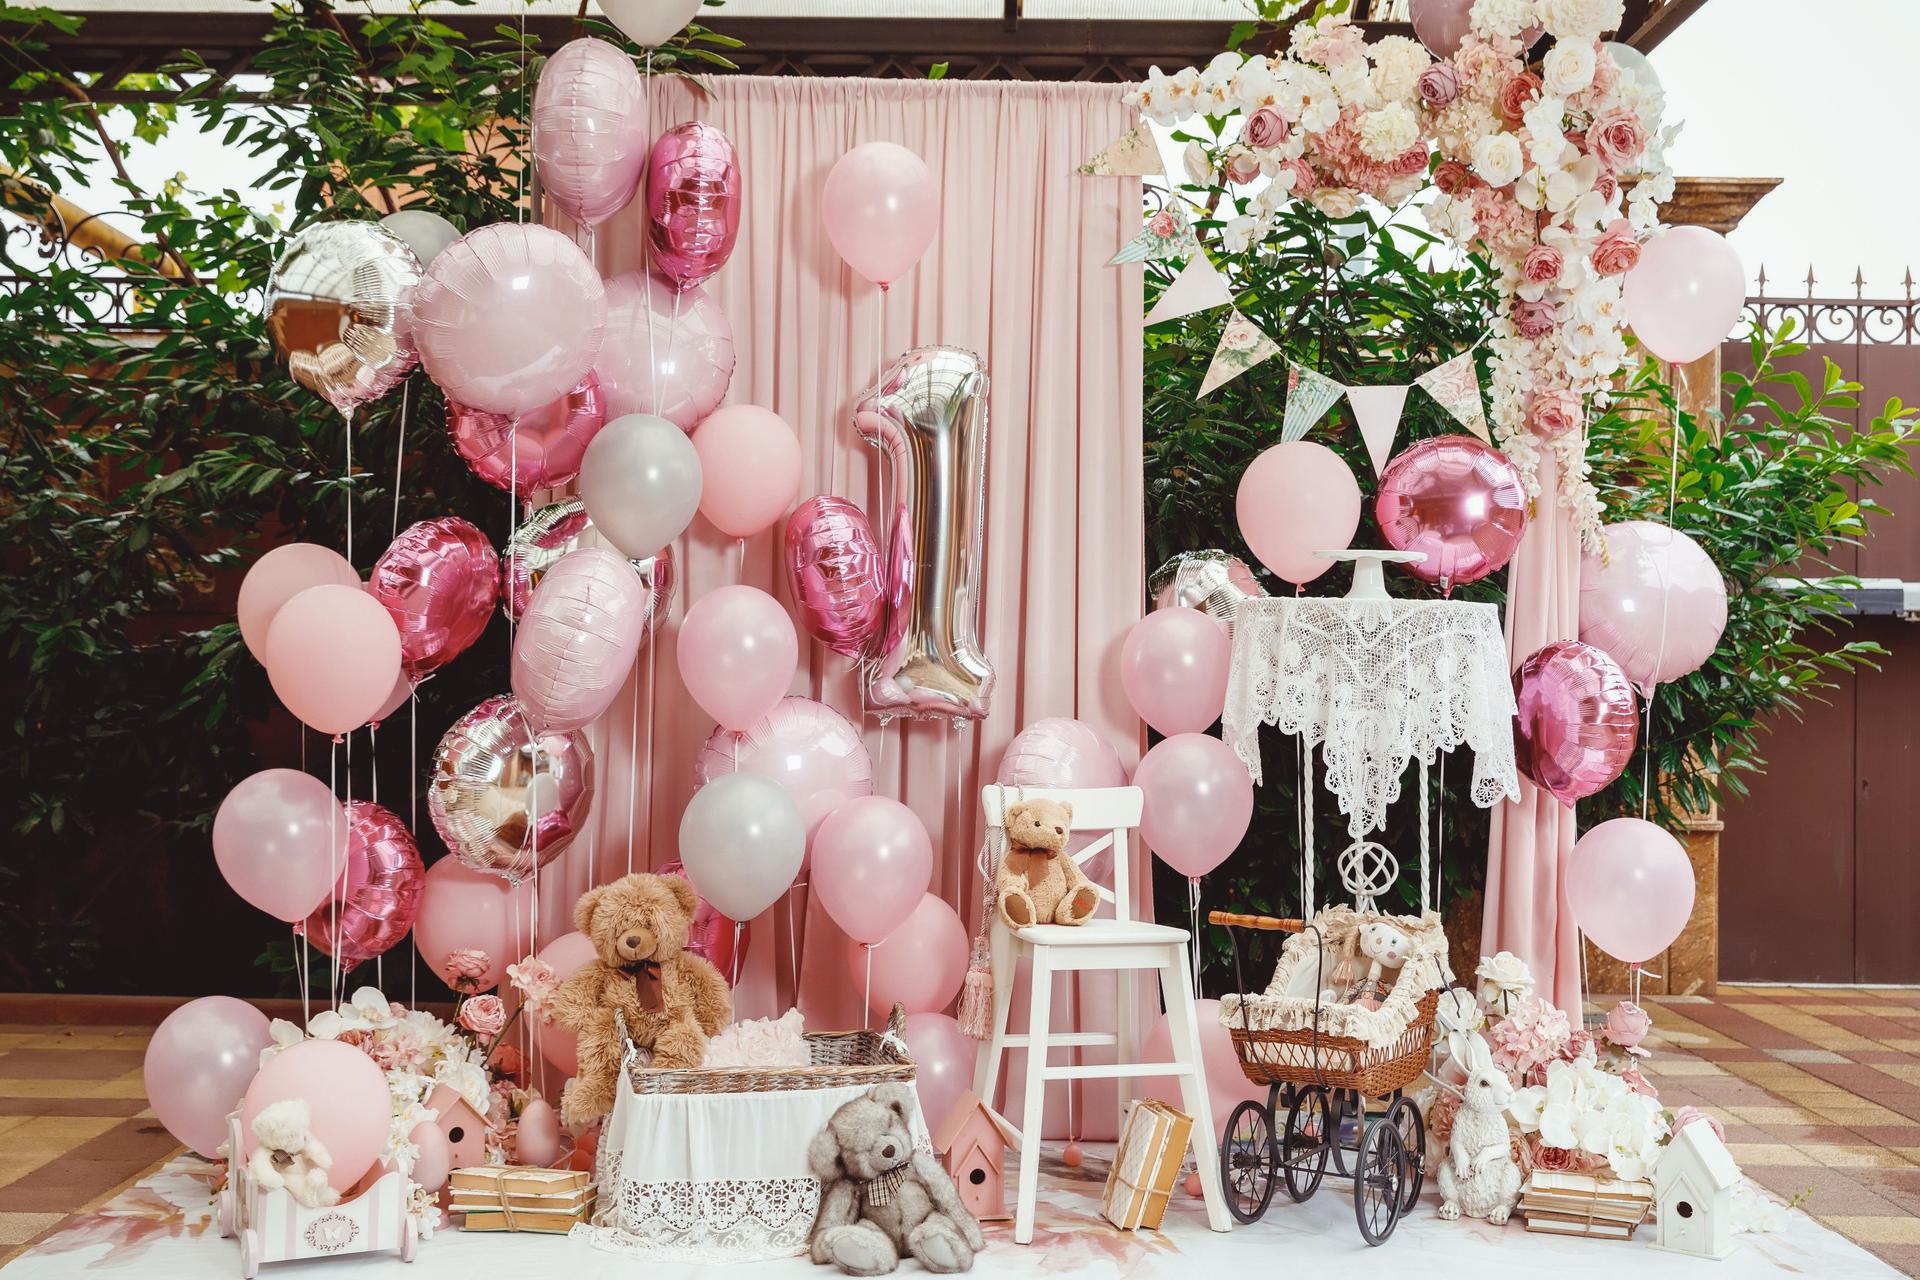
(1479, 1177)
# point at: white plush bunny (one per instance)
(1386, 947)
(1479, 1177)
(290, 1156)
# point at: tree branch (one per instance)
(73, 90)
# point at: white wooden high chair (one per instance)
(1118, 943)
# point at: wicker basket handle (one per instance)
(1233, 919)
(897, 1021)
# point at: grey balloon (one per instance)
(742, 840)
(640, 480)
(425, 232)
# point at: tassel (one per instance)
(976, 1002)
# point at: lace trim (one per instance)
(724, 1220)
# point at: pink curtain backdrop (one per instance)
(1532, 837)
(1016, 273)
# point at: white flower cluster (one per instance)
(1584, 1108)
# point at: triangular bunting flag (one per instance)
(1198, 287)
(1167, 235)
(1242, 346)
(1377, 410)
(1134, 155)
(1455, 385)
(1309, 396)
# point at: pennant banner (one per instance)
(1242, 346)
(1134, 155)
(1167, 235)
(1198, 287)
(1377, 410)
(1309, 396)
(1455, 385)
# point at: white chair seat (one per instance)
(1101, 933)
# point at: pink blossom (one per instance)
(483, 1015)
(1439, 85)
(1687, 1115)
(1265, 128)
(1617, 251)
(1304, 180)
(1452, 177)
(1533, 319)
(1348, 164)
(1334, 44)
(1517, 94)
(1484, 64)
(401, 1048)
(466, 969)
(1542, 264)
(1606, 77)
(506, 1060)
(1553, 411)
(1552, 1159)
(1161, 223)
(1627, 1025)
(536, 981)
(1242, 166)
(1607, 185)
(1504, 226)
(1616, 138)
(1639, 1083)
(1529, 1037)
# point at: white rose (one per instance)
(1568, 68)
(1389, 131)
(1199, 168)
(1498, 159)
(1504, 17)
(1335, 202)
(1503, 974)
(1397, 64)
(1238, 233)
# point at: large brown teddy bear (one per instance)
(1039, 883)
(672, 1001)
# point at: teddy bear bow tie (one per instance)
(646, 985)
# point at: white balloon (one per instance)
(650, 22)
(425, 232)
(742, 840)
(640, 479)
(1634, 63)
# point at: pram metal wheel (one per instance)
(1404, 1116)
(1247, 1156)
(1312, 1131)
(1380, 1179)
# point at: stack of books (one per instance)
(521, 1198)
(1153, 1142)
(1583, 1204)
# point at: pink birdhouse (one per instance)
(466, 1129)
(973, 1141)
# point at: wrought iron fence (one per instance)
(1857, 321)
(98, 296)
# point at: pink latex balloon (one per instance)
(919, 966)
(711, 935)
(271, 838)
(1227, 1085)
(1197, 803)
(432, 1161)
(1685, 294)
(578, 639)
(590, 130)
(536, 1139)
(810, 749)
(943, 1058)
(693, 202)
(333, 654)
(749, 468)
(534, 450)
(1657, 604)
(1630, 887)
(466, 910)
(1441, 24)
(737, 653)
(881, 209)
(872, 863)
(438, 580)
(1577, 720)
(379, 896)
(397, 697)
(835, 574)
(199, 1062)
(1057, 752)
(509, 317)
(1458, 502)
(567, 954)
(346, 1096)
(666, 354)
(279, 576)
(1173, 667)
(1294, 500)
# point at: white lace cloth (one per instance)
(1377, 684)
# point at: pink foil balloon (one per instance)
(346, 1096)
(590, 130)
(835, 574)
(810, 749)
(1441, 24)
(379, 897)
(578, 639)
(919, 966)
(1294, 500)
(737, 653)
(271, 839)
(711, 935)
(1173, 667)
(1227, 1085)
(1197, 803)
(333, 655)
(1057, 752)
(665, 353)
(749, 468)
(1630, 887)
(509, 318)
(943, 1059)
(1456, 501)
(1577, 720)
(466, 910)
(1685, 294)
(1657, 604)
(567, 954)
(198, 1064)
(279, 576)
(438, 580)
(534, 450)
(872, 862)
(881, 209)
(693, 202)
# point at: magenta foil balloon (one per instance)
(1057, 752)
(380, 896)
(578, 639)
(509, 318)
(557, 530)
(1457, 501)
(693, 202)
(811, 750)
(1577, 720)
(438, 580)
(1655, 603)
(835, 573)
(666, 353)
(536, 450)
(590, 130)
(711, 935)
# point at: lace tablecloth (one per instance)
(1378, 685)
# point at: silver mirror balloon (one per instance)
(339, 308)
(545, 539)
(1211, 581)
(503, 800)
(929, 416)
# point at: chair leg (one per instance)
(1040, 1004)
(1176, 984)
(1125, 993)
(993, 1053)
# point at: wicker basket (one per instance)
(1311, 1057)
(840, 1059)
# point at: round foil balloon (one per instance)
(1458, 502)
(711, 934)
(339, 308)
(535, 450)
(1655, 603)
(811, 750)
(589, 130)
(1057, 752)
(693, 202)
(578, 639)
(666, 353)
(1211, 581)
(835, 574)
(545, 538)
(1577, 720)
(438, 580)
(502, 799)
(380, 894)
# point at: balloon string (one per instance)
(793, 953)
(373, 787)
(866, 1001)
(633, 769)
(346, 418)
(1666, 596)
(413, 808)
(333, 863)
(526, 103)
(738, 926)
(1193, 912)
(400, 455)
(646, 845)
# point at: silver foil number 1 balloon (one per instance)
(929, 417)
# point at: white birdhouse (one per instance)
(1693, 1193)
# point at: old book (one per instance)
(1153, 1142)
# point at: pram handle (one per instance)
(1271, 923)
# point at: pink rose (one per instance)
(1304, 180)
(1542, 264)
(465, 970)
(1553, 1159)
(1616, 138)
(1452, 177)
(1161, 223)
(483, 1015)
(1606, 185)
(1439, 85)
(1639, 1083)
(1687, 1115)
(1617, 251)
(1265, 128)
(506, 1060)
(1516, 94)
(1627, 1025)
(1242, 165)
(536, 982)
(1553, 411)
(1533, 319)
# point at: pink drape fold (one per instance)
(1532, 837)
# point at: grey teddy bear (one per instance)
(882, 1198)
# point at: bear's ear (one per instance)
(898, 1098)
(823, 1155)
(583, 910)
(683, 893)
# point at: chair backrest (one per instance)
(1113, 810)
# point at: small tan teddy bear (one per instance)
(1038, 883)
